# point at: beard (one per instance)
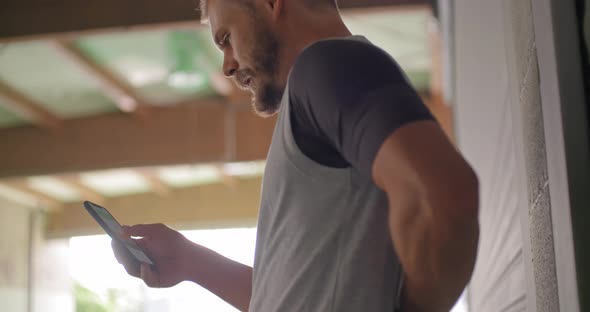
(266, 92)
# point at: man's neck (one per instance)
(306, 32)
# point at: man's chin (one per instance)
(264, 109)
(266, 101)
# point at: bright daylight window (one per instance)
(102, 285)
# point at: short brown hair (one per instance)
(310, 3)
(203, 11)
(320, 3)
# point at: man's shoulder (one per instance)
(334, 61)
(334, 51)
(343, 44)
(337, 64)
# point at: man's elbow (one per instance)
(459, 197)
(470, 193)
(459, 214)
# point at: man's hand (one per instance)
(168, 248)
(177, 259)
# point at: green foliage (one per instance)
(114, 300)
(88, 301)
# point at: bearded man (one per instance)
(365, 204)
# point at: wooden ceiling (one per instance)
(204, 132)
(141, 134)
(25, 19)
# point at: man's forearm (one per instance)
(441, 268)
(437, 252)
(228, 279)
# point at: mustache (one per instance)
(242, 75)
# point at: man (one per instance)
(365, 206)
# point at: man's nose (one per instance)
(230, 66)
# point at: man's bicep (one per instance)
(419, 158)
(352, 108)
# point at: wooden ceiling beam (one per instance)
(371, 4)
(120, 92)
(28, 109)
(87, 193)
(22, 185)
(31, 19)
(436, 102)
(197, 207)
(227, 179)
(20, 19)
(155, 183)
(183, 134)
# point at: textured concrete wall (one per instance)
(500, 130)
(14, 253)
(485, 133)
(539, 202)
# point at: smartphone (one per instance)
(106, 220)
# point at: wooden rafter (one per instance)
(436, 51)
(227, 179)
(31, 18)
(27, 108)
(120, 92)
(22, 185)
(360, 4)
(436, 101)
(205, 206)
(184, 134)
(156, 184)
(86, 192)
(27, 19)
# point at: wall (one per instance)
(499, 127)
(568, 154)
(14, 255)
(34, 273)
(527, 108)
(52, 286)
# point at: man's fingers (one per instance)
(144, 245)
(119, 251)
(150, 277)
(132, 269)
(125, 258)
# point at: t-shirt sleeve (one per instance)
(352, 95)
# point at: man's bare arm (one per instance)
(433, 209)
(228, 279)
(178, 259)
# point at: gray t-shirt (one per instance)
(323, 241)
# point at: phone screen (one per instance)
(114, 229)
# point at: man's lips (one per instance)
(245, 83)
(244, 79)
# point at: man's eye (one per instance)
(225, 39)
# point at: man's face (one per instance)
(250, 51)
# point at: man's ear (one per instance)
(275, 7)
